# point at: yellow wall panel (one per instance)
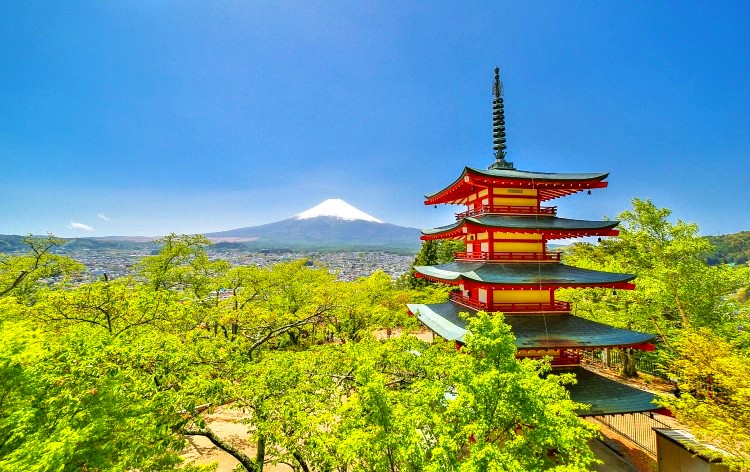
(521, 296)
(519, 247)
(514, 201)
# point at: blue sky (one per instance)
(143, 118)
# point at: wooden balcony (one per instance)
(508, 256)
(470, 256)
(566, 357)
(462, 299)
(508, 210)
(531, 307)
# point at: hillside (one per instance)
(730, 248)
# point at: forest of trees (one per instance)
(116, 374)
(730, 248)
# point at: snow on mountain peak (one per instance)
(336, 208)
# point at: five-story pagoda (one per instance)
(506, 267)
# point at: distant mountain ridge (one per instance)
(330, 226)
(730, 248)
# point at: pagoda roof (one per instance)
(532, 331)
(553, 226)
(606, 396)
(538, 176)
(519, 274)
(549, 185)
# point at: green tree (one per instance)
(173, 266)
(82, 400)
(432, 252)
(714, 381)
(675, 288)
(114, 375)
(405, 405)
(19, 274)
(515, 415)
(366, 304)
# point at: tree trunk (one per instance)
(301, 461)
(681, 308)
(628, 363)
(260, 456)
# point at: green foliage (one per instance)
(78, 400)
(114, 375)
(19, 274)
(515, 416)
(432, 252)
(730, 248)
(404, 405)
(171, 266)
(675, 288)
(695, 309)
(714, 379)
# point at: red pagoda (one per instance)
(506, 267)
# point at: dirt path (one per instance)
(225, 422)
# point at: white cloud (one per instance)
(102, 216)
(81, 226)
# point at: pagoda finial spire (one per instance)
(498, 125)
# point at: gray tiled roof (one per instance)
(606, 396)
(526, 175)
(541, 176)
(521, 274)
(532, 331)
(526, 223)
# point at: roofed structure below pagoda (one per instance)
(555, 227)
(532, 331)
(605, 396)
(513, 274)
(549, 185)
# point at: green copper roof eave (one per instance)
(532, 331)
(525, 223)
(522, 274)
(524, 175)
(452, 328)
(605, 396)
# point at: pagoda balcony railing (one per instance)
(509, 307)
(507, 256)
(566, 358)
(508, 210)
(531, 307)
(462, 299)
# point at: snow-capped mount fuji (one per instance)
(333, 224)
(336, 208)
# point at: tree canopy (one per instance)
(696, 310)
(116, 374)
